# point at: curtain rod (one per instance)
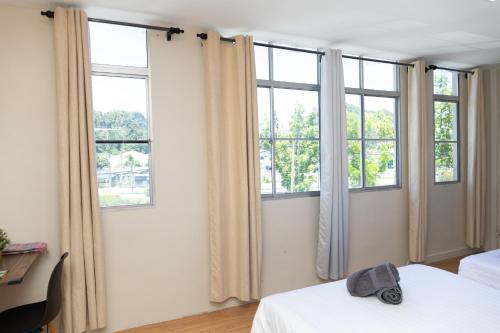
(204, 36)
(434, 67)
(170, 30)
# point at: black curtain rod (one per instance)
(434, 67)
(204, 36)
(170, 30)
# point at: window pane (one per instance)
(266, 167)
(112, 44)
(445, 121)
(293, 66)
(120, 108)
(123, 174)
(379, 76)
(262, 62)
(297, 165)
(353, 111)
(355, 172)
(380, 117)
(264, 108)
(380, 163)
(445, 82)
(446, 162)
(351, 73)
(296, 113)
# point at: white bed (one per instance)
(433, 301)
(483, 268)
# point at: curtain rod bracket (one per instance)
(173, 31)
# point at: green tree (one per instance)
(297, 161)
(444, 130)
(379, 155)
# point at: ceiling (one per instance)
(460, 33)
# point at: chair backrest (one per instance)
(54, 293)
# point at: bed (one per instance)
(434, 301)
(483, 268)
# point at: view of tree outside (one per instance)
(122, 169)
(445, 127)
(371, 123)
(288, 120)
(380, 141)
(296, 149)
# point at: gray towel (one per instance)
(381, 281)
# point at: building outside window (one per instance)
(120, 91)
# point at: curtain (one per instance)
(333, 235)
(233, 169)
(83, 280)
(491, 83)
(417, 161)
(476, 163)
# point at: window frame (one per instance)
(396, 94)
(447, 99)
(131, 72)
(272, 84)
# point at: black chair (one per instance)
(29, 317)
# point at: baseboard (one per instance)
(439, 256)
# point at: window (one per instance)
(372, 109)
(446, 127)
(288, 104)
(120, 81)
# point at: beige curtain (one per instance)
(491, 84)
(233, 169)
(83, 281)
(417, 160)
(476, 163)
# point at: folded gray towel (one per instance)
(392, 295)
(381, 281)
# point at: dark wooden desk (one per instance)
(17, 265)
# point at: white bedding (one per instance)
(433, 301)
(483, 268)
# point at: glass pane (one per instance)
(266, 167)
(262, 62)
(112, 44)
(355, 172)
(380, 163)
(297, 166)
(446, 162)
(123, 174)
(379, 76)
(264, 108)
(293, 66)
(445, 121)
(445, 82)
(296, 113)
(120, 108)
(351, 73)
(353, 111)
(380, 117)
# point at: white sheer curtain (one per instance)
(334, 201)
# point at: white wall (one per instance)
(28, 166)
(157, 258)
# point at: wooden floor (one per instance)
(234, 320)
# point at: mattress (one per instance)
(433, 301)
(483, 268)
